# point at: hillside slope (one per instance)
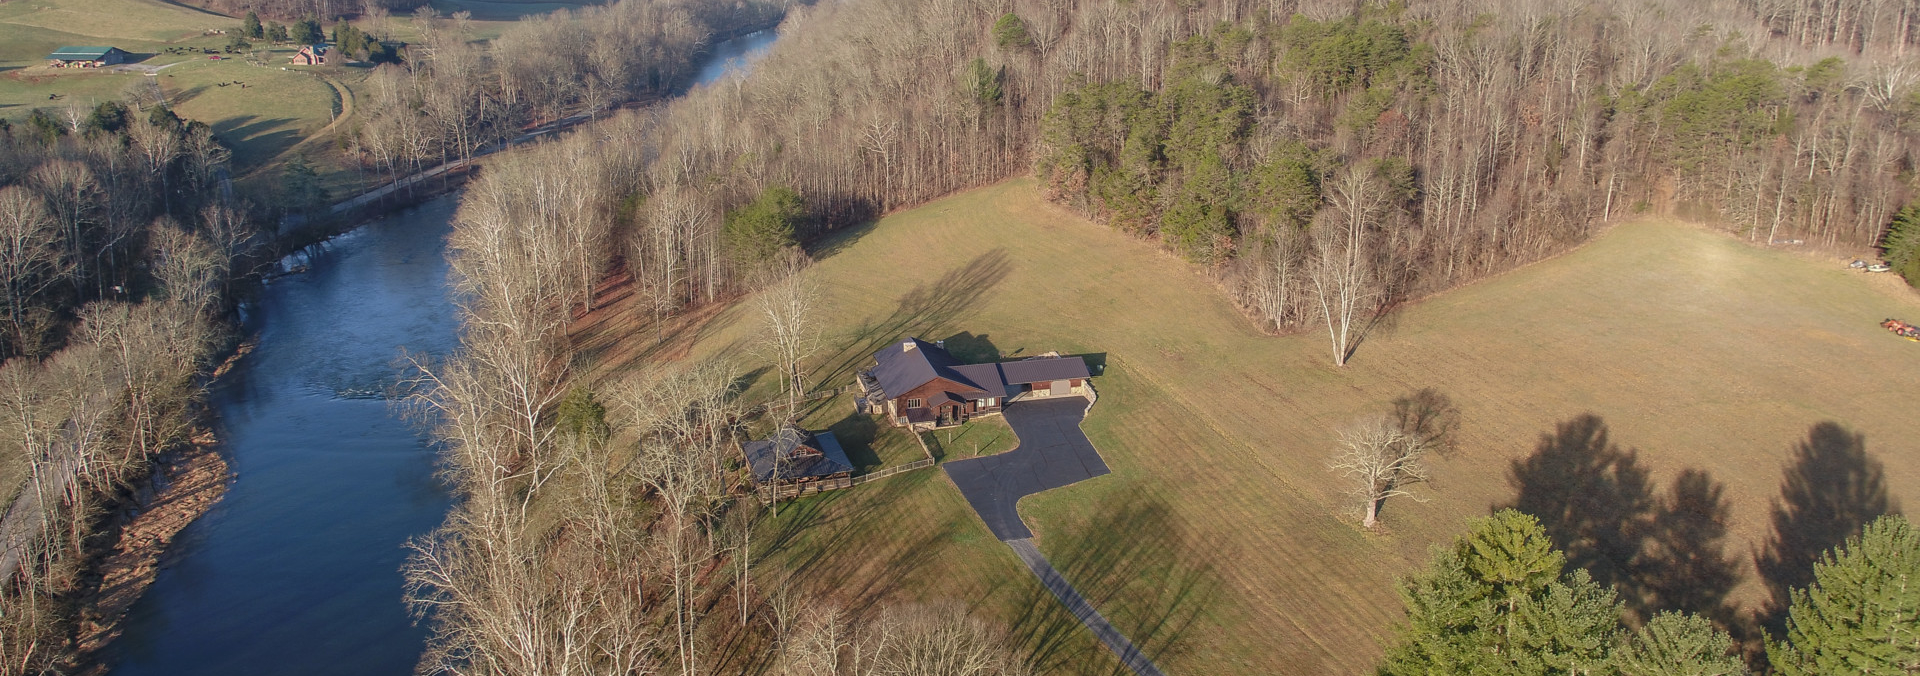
(1221, 542)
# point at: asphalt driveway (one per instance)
(1053, 452)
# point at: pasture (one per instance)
(1221, 542)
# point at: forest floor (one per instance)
(1700, 351)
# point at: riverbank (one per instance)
(183, 485)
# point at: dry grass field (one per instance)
(1220, 541)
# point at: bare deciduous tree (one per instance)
(1379, 460)
(792, 333)
(1344, 276)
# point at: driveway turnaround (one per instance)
(1053, 452)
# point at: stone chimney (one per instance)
(907, 345)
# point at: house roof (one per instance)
(1043, 369)
(904, 365)
(900, 370)
(785, 446)
(79, 53)
(987, 376)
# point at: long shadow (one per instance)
(187, 95)
(924, 310)
(843, 542)
(1139, 566)
(1659, 552)
(971, 349)
(1593, 497)
(1429, 417)
(1831, 490)
(1686, 566)
(856, 433)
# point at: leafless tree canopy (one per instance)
(1379, 460)
(94, 386)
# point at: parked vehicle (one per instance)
(1902, 329)
(1879, 267)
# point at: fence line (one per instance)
(791, 491)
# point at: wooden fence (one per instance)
(791, 491)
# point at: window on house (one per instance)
(988, 402)
(915, 403)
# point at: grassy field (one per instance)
(1221, 541)
(282, 112)
(277, 114)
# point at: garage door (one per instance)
(1061, 387)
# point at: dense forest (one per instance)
(119, 256)
(1402, 149)
(1322, 160)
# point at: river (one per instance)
(297, 570)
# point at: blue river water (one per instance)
(297, 570)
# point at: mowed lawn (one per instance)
(1220, 541)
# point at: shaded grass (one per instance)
(978, 437)
(1698, 350)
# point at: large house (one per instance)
(86, 57)
(918, 384)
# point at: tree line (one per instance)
(456, 94)
(119, 257)
(1324, 161)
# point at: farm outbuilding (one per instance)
(86, 57)
(313, 55)
(796, 456)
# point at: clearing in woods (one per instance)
(1220, 543)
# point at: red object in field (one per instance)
(1902, 329)
(215, 57)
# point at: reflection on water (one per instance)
(296, 571)
(735, 54)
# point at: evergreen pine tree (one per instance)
(251, 26)
(755, 234)
(1497, 603)
(1862, 613)
(1010, 32)
(1678, 644)
(1902, 243)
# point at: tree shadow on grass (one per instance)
(1593, 498)
(1139, 567)
(971, 349)
(1685, 566)
(925, 310)
(856, 433)
(1598, 504)
(1830, 491)
(845, 548)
